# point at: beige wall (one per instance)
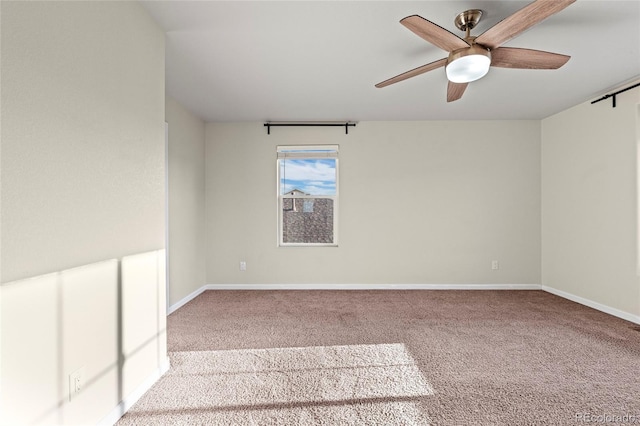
(186, 202)
(590, 217)
(420, 203)
(82, 134)
(82, 207)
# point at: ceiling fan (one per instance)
(470, 58)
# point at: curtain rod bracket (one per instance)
(613, 95)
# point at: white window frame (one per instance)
(306, 152)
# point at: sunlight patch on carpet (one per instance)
(374, 382)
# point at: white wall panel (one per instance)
(143, 317)
(31, 355)
(89, 339)
(81, 318)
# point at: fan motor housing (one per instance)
(474, 49)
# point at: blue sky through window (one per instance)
(312, 176)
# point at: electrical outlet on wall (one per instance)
(77, 380)
(243, 265)
(495, 265)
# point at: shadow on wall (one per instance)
(77, 343)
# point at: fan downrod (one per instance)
(468, 19)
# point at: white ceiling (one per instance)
(319, 60)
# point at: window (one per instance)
(308, 195)
(307, 206)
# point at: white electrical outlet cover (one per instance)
(77, 381)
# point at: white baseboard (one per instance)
(372, 287)
(188, 298)
(595, 305)
(132, 398)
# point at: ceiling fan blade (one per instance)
(416, 71)
(434, 34)
(455, 91)
(520, 21)
(512, 57)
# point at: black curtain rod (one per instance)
(346, 125)
(613, 95)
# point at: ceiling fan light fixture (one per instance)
(468, 64)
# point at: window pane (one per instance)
(302, 226)
(307, 206)
(308, 176)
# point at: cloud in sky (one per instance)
(313, 176)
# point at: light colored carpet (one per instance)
(393, 358)
(290, 386)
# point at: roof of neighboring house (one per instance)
(296, 191)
